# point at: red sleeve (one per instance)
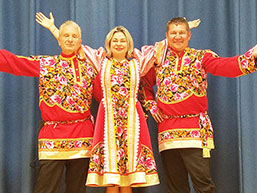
(229, 66)
(18, 65)
(147, 96)
(97, 91)
(146, 84)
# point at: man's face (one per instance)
(69, 39)
(178, 37)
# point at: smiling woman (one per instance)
(119, 38)
(122, 155)
(119, 46)
(227, 28)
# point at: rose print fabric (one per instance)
(65, 93)
(122, 153)
(181, 80)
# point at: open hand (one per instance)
(44, 21)
(194, 23)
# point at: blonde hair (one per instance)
(128, 37)
(69, 22)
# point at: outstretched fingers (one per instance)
(40, 17)
(45, 21)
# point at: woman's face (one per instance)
(119, 46)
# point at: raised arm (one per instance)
(95, 56)
(47, 23)
(146, 58)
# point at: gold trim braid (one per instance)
(138, 179)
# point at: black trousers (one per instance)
(51, 172)
(179, 163)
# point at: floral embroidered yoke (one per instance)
(65, 93)
(171, 87)
(120, 156)
(181, 80)
(66, 83)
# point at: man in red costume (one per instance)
(185, 133)
(65, 91)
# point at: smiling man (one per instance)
(185, 133)
(65, 91)
(178, 36)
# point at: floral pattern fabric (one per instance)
(145, 162)
(65, 89)
(58, 85)
(120, 94)
(204, 133)
(120, 152)
(65, 145)
(68, 84)
(180, 76)
(175, 84)
(247, 62)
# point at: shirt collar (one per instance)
(178, 53)
(71, 56)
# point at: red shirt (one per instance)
(65, 91)
(181, 81)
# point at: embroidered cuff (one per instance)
(151, 106)
(247, 62)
